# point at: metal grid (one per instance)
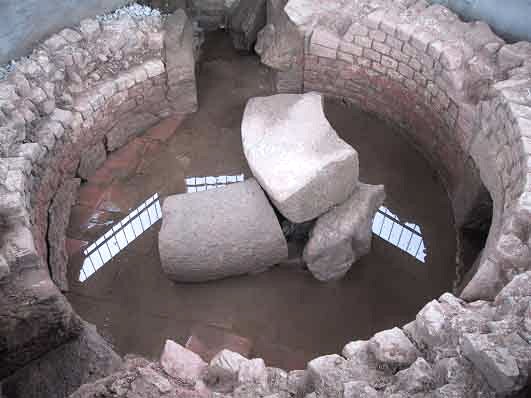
(406, 236)
(119, 236)
(198, 184)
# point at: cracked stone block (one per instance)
(233, 231)
(247, 19)
(181, 363)
(296, 155)
(343, 235)
(392, 347)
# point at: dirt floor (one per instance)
(284, 315)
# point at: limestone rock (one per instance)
(59, 216)
(253, 372)
(494, 361)
(234, 231)
(248, 18)
(296, 155)
(392, 347)
(61, 371)
(223, 370)
(4, 267)
(181, 363)
(328, 375)
(344, 234)
(357, 352)
(91, 160)
(419, 377)
(359, 389)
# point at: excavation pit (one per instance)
(442, 133)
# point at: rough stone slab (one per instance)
(296, 155)
(218, 233)
(59, 216)
(181, 363)
(343, 235)
(247, 19)
(61, 371)
(91, 160)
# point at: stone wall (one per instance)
(460, 93)
(26, 22)
(98, 84)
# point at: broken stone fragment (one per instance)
(181, 363)
(233, 231)
(343, 235)
(392, 347)
(223, 370)
(248, 18)
(359, 389)
(296, 155)
(254, 373)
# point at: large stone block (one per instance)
(218, 233)
(344, 234)
(296, 155)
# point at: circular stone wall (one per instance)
(462, 93)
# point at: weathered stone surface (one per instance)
(281, 47)
(253, 373)
(234, 231)
(419, 377)
(223, 370)
(35, 318)
(495, 362)
(289, 129)
(180, 63)
(359, 389)
(59, 216)
(91, 160)
(246, 20)
(128, 128)
(61, 371)
(328, 374)
(343, 235)
(181, 363)
(140, 379)
(392, 347)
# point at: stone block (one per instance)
(392, 347)
(91, 160)
(343, 235)
(181, 363)
(234, 231)
(247, 19)
(223, 370)
(296, 155)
